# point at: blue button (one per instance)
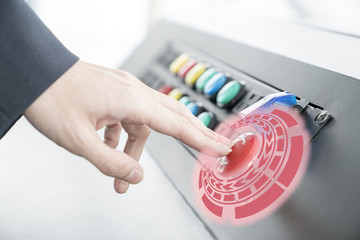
(193, 108)
(214, 84)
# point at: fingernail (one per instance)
(135, 176)
(225, 140)
(225, 149)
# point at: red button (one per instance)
(165, 89)
(186, 68)
(243, 152)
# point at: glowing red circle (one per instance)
(257, 184)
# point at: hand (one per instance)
(88, 97)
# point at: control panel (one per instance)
(216, 79)
(213, 91)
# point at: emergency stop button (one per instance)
(245, 148)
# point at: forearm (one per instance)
(31, 59)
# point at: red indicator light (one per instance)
(165, 89)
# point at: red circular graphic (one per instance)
(261, 186)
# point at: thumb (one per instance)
(111, 162)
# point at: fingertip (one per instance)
(120, 186)
(224, 140)
(224, 149)
(217, 150)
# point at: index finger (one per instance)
(172, 124)
(183, 111)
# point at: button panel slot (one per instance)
(213, 90)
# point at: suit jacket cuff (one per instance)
(31, 59)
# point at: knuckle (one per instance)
(103, 166)
(128, 76)
(112, 166)
(113, 143)
(106, 170)
(180, 131)
(181, 108)
(106, 167)
(146, 131)
(140, 132)
(203, 145)
(123, 74)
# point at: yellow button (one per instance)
(194, 74)
(178, 62)
(175, 94)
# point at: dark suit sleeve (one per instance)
(31, 59)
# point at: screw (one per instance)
(322, 117)
(297, 108)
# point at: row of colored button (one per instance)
(215, 85)
(196, 109)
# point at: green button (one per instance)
(205, 117)
(228, 92)
(204, 78)
(185, 100)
